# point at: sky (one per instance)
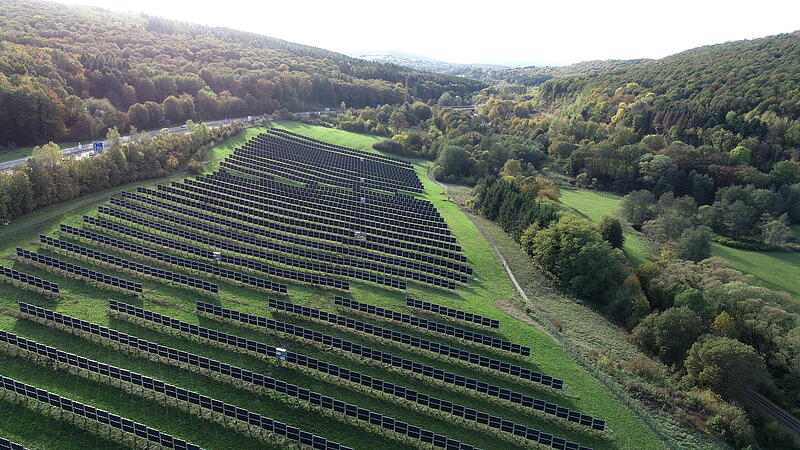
(517, 33)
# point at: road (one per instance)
(177, 129)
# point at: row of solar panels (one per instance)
(454, 313)
(321, 161)
(321, 164)
(378, 208)
(250, 251)
(351, 376)
(344, 219)
(158, 256)
(310, 218)
(413, 341)
(129, 265)
(79, 271)
(95, 414)
(403, 363)
(172, 391)
(382, 158)
(270, 351)
(436, 327)
(246, 376)
(430, 264)
(372, 242)
(5, 444)
(31, 280)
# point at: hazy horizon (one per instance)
(507, 35)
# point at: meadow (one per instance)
(489, 287)
(593, 205)
(775, 270)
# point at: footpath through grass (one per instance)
(489, 288)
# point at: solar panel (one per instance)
(30, 280)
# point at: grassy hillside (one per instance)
(489, 287)
(776, 270)
(594, 205)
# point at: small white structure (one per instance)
(359, 236)
(280, 353)
(217, 256)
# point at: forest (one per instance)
(73, 73)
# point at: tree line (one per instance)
(47, 177)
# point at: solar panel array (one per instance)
(363, 222)
(5, 444)
(430, 325)
(376, 204)
(79, 271)
(405, 364)
(305, 198)
(128, 265)
(31, 280)
(249, 251)
(247, 376)
(192, 264)
(171, 391)
(432, 256)
(413, 341)
(454, 313)
(298, 226)
(95, 414)
(299, 159)
(386, 387)
(386, 264)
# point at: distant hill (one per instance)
(427, 64)
(69, 73)
(494, 73)
(532, 76)
(751, 88)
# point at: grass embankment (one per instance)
(489, 287)
(594, 205)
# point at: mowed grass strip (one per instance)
(489, 285)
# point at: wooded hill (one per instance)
(73, 72)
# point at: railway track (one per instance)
(774, 410)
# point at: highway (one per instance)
(177, 129)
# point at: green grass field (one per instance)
(594, 205)
(489, 286)
(775, 270)
(24, 152)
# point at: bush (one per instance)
(730, 424)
